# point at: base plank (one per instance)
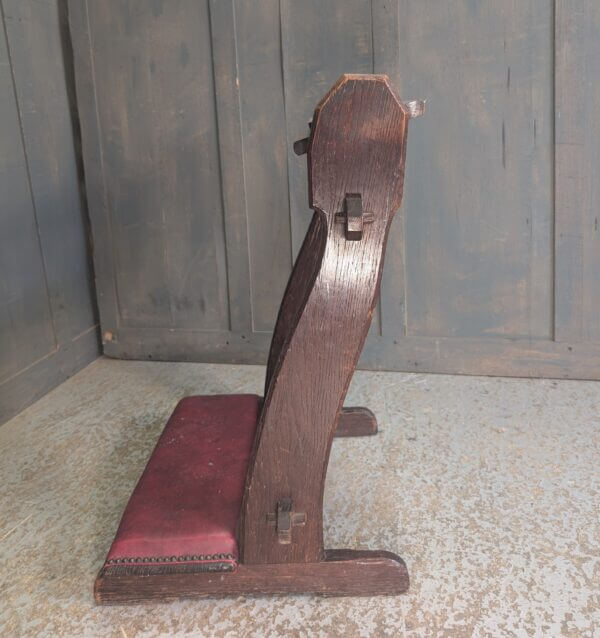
(341, 573)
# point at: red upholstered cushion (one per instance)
(187, 502)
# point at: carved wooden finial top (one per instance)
(357, 145)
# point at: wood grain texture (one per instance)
(357, 145)
(47, 310)
(306, 269)
(356, 422)
(448, 355)
(341, 573)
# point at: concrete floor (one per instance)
(489, 488)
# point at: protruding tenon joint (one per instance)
(285, 518)
(416, 108)
(353, 216)
(301, 146)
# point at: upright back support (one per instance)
(356, 154)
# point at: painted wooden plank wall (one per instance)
(48, 324)
(577, 235)
(198, 205)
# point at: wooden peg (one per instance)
(285, 518)
(354, 216)
(301, 146)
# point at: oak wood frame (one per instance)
(356, 151)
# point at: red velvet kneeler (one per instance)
(186, 505)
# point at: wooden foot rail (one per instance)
(356, 422)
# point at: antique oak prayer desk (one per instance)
(231, 500)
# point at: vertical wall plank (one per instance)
(231, 153)
(570, 195)
(192, 194)
(131, 162)
(26, 324)
(48, 326)
(478, 198)
(591, 125)
(43, 93)
(264, 155)
(155, 102)
(577, 156)
(386, 59)
(95, 178)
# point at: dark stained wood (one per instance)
(356, 154)
(296, 293)
(357, 146)
(356, 422)
(340, 573)
(353, 217)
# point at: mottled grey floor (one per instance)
(489, 489)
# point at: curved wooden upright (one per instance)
(234, 488)
(355, 152)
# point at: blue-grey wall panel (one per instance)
(48, 327)
(263, 113)
(482, 266)
(156, 112)
(26, 332)
(478, 201)
(577, 233)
